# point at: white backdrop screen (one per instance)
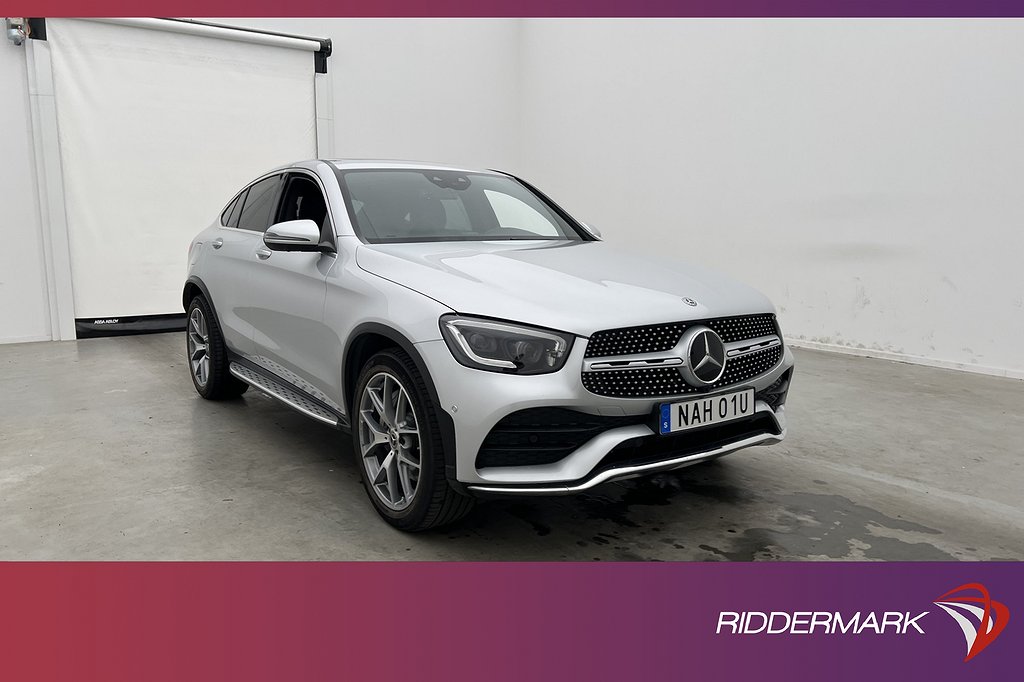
(157, 131)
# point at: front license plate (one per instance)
(691, 414)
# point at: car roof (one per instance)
(348, 164)
(366, 164)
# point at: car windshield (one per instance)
(423, 205)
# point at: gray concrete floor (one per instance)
(106, 452)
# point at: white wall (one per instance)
(867, 175)
(24, 311)
(429, 89)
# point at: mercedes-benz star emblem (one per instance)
(689, 301)
(705, 357)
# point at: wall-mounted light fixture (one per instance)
(15, 29)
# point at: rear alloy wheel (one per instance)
(199, 347)
(207, 354)
(397, 441)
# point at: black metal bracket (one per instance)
(321, 55)
(37, 28)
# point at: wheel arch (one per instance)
(194, 287)
(370, 338)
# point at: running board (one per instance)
(286, 394)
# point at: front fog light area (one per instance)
(504, 347)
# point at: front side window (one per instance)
(425, 206)
(303, 200)
(259, 205)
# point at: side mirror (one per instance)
(293, 235)
(592, 230)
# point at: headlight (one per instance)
(504, 347)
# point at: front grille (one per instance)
(543, 435)
(657, 382)
(661, 337)
(744, 327)
(634, 340)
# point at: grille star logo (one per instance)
(971, 602)
(707, 356)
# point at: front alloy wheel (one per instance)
(389, 440)
(396, 435)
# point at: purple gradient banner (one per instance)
(520, 8)
(260, 621)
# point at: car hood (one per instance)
(578, 287)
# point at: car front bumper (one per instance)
(478, 400)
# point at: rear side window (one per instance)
(229, 218)
(226, 215)
(259, 205)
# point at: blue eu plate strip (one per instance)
(666, 418)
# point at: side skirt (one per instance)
(286, 393)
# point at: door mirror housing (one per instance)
(293, 235)
(592, 230)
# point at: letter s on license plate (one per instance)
(691, 414)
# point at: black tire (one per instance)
(435, 502)
(220, 383)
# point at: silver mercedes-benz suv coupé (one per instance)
(472, 336)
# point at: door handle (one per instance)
(217, 243)
(264, 254)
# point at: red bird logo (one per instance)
(965, 607)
